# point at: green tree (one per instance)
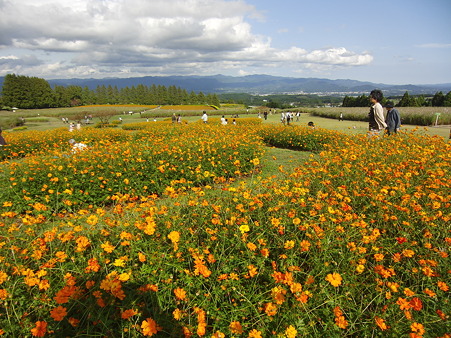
(407, 101)
(27, 92)
(101, 95)
(447, 102)
(438, 100)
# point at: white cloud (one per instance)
(138, 37)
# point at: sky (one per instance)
(386, 41)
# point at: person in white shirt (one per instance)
(77, 147)
(376, 115)
(205, 117)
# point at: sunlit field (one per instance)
(206, 230)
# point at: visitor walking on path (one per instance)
(376, 114)
(393, 119)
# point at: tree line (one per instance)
(407, 100)
(35, 93)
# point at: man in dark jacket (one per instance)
(393, 119)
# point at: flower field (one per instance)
(175, 231)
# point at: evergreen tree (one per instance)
(101, 94)
(407, 101)
(27, 92)
(447, 102)
(438, 100)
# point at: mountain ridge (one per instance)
(260, 84)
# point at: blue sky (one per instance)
(392, 42)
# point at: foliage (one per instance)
(407, 100)
(299, 138)
(26, 92)
(138, 164)
(283, 101)
(31, 93)
(355, 242)
(420, 116)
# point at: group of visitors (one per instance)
(176, 118)
(377, 122)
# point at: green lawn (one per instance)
(353, 127)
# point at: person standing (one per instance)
(376, 114)
(77, 147)
(205, 117)
(393, 119)
(282, 117)
(288, 116)
(2, 139)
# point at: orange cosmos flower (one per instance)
(341, 322)
(408, 292)
(403, 304)
(278, 294)
(93, 265)
(3, 294)
(429, 292)
(418, 328)
(92, 220)
(40, 329)
(408, 253)
(289, 244)
(142, 258)
(416, 303)
(177, 314)
(254, 334)
(128, 313)
(270, 309)
(252, 270)
(174, 236)
(180, 293)
(378, 257)
(305, 245)
(441, 314)
(251, 246)
(201, 268)
(3, 277)
(58, 313)
(380, 322)
(443, 286)
(82, 243)
(334, 279)
(235, 327)
(63, 295)
(107, 247)
(74, 321)
(149, 327)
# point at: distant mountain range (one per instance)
(256, 84)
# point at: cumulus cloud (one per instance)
(118, 37)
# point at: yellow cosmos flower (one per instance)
(244, 228)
